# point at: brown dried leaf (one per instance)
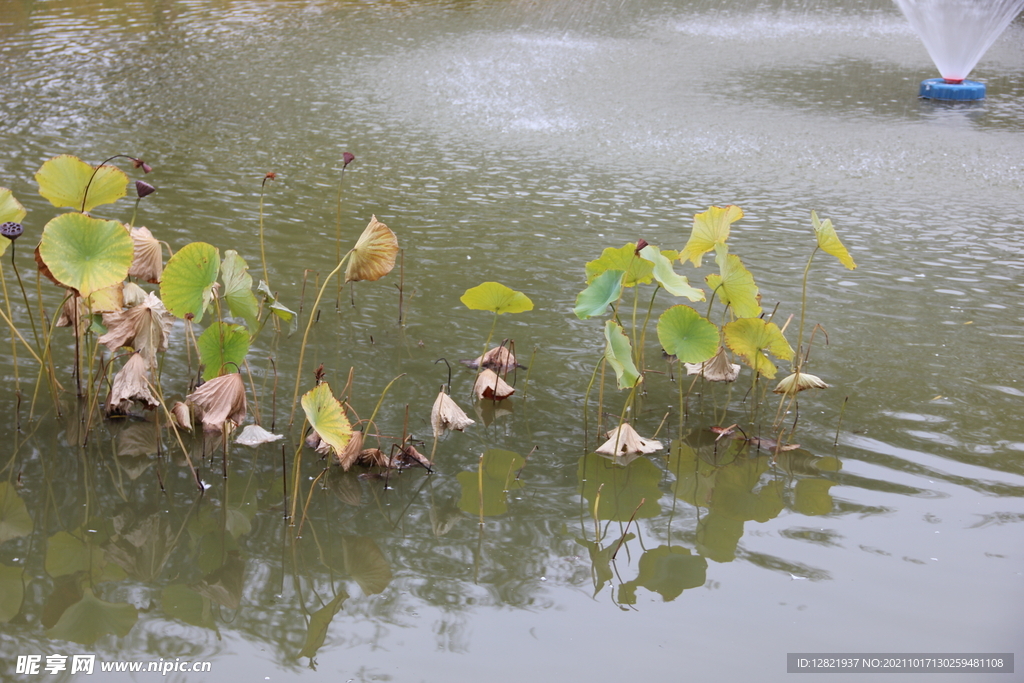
(220, 400)
(718, 369)
(446, 414)
(132, 294)
(148, 261)
(409, 457)
(373, 257)
(182, 415)
(255, 435)
(72, 312)
(499, 359)
(130, 384)
(373, 457)
(489, 386)
(144, 327)
(353, 448)
(624, 440)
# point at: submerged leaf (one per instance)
(670, 280)
(148, 259)
(602, 291)
(636, 269)
(446, 414)
(624, 440)
(619, 354)
(327, 416)
(220, 400)
(86, 253)
(829, 242)
(709, 228)
(63, 180)
(688, 336)
(751, 337)
(490, 386)
(373, 257)
(497, 298)
(189, 279)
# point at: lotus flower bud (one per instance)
(348, 158)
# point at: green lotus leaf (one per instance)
(686, 335)
(64, 179)
(319, 622)
(86, 253)
(234, 273)
(602, 291)
(327, 416)
(222, 349)
(619, 354)
(670, 280)
(89, 618)
(751, 337)
(734, 284)
(495, 297)
(14, 518)
(485, 488)
(624, 258)
(276, 307)
(709, 228)
(189, 278)
(12, 591)
(829, 242)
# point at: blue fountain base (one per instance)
(939, 89)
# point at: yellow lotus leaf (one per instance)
(709, 228)
(373, 257)
(327, 416)
(64, 180)
(829, 242)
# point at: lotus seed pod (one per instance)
(11, 230)
(142, 188)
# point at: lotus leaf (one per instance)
(688, 336)
(373, 257)
(189, 279)
(709, 229)
(624, 258)
(602, 291)
(735, 285)
(238, 288)
(327, 416)
(829, 242)
(751, 337)
(222, 349)
(64, 179)
(674, 283)
(497, 298)
(85, 253)
(619, 354)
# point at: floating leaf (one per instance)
(63, 180)
(14, 518)
(148, 260)
(220, 400)
(751, 337)
(624, 440)
(89, 618)
(327, 416)
(735, 285)
(602, 291)
(446, 414)
(319, 621)
(373, 257)
(686, 335)
(238, 288)
(829, 242)
(709, 228)
(797, 382)
(86, 253)
(619, 354)
(718, 369)
(672, 282)
(254, 435)
(497, 298)
(624, 258)
(189, 279)
(485, 488)
(222, 349)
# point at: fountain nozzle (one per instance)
(961, 90)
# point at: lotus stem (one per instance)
(263, 253)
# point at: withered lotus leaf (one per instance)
(220, 400)
(182, 415)
(255, 435)
(797, 382)
(373, 257)
(131, 383)
(718, 369)
(624, 440)
(145, 327)
(350, 454)
(499, 359)
(489, 386)
(409, 457)
(446, 414)
(148, 259)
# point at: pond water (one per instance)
(513, 141)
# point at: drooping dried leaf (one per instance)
(145, 327)
(797, 382)
(254, 435)
(353, 448)
(718, 369)
(148, 260)
(499, 359)
(130, 384)
(314, 441)
(182, 415)
(446, 414)
(409, 457)
(132, 294)
(373, 257)
(220, 400)
(72, 313)
(489, 386)
(373, 457)
(624, 440)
